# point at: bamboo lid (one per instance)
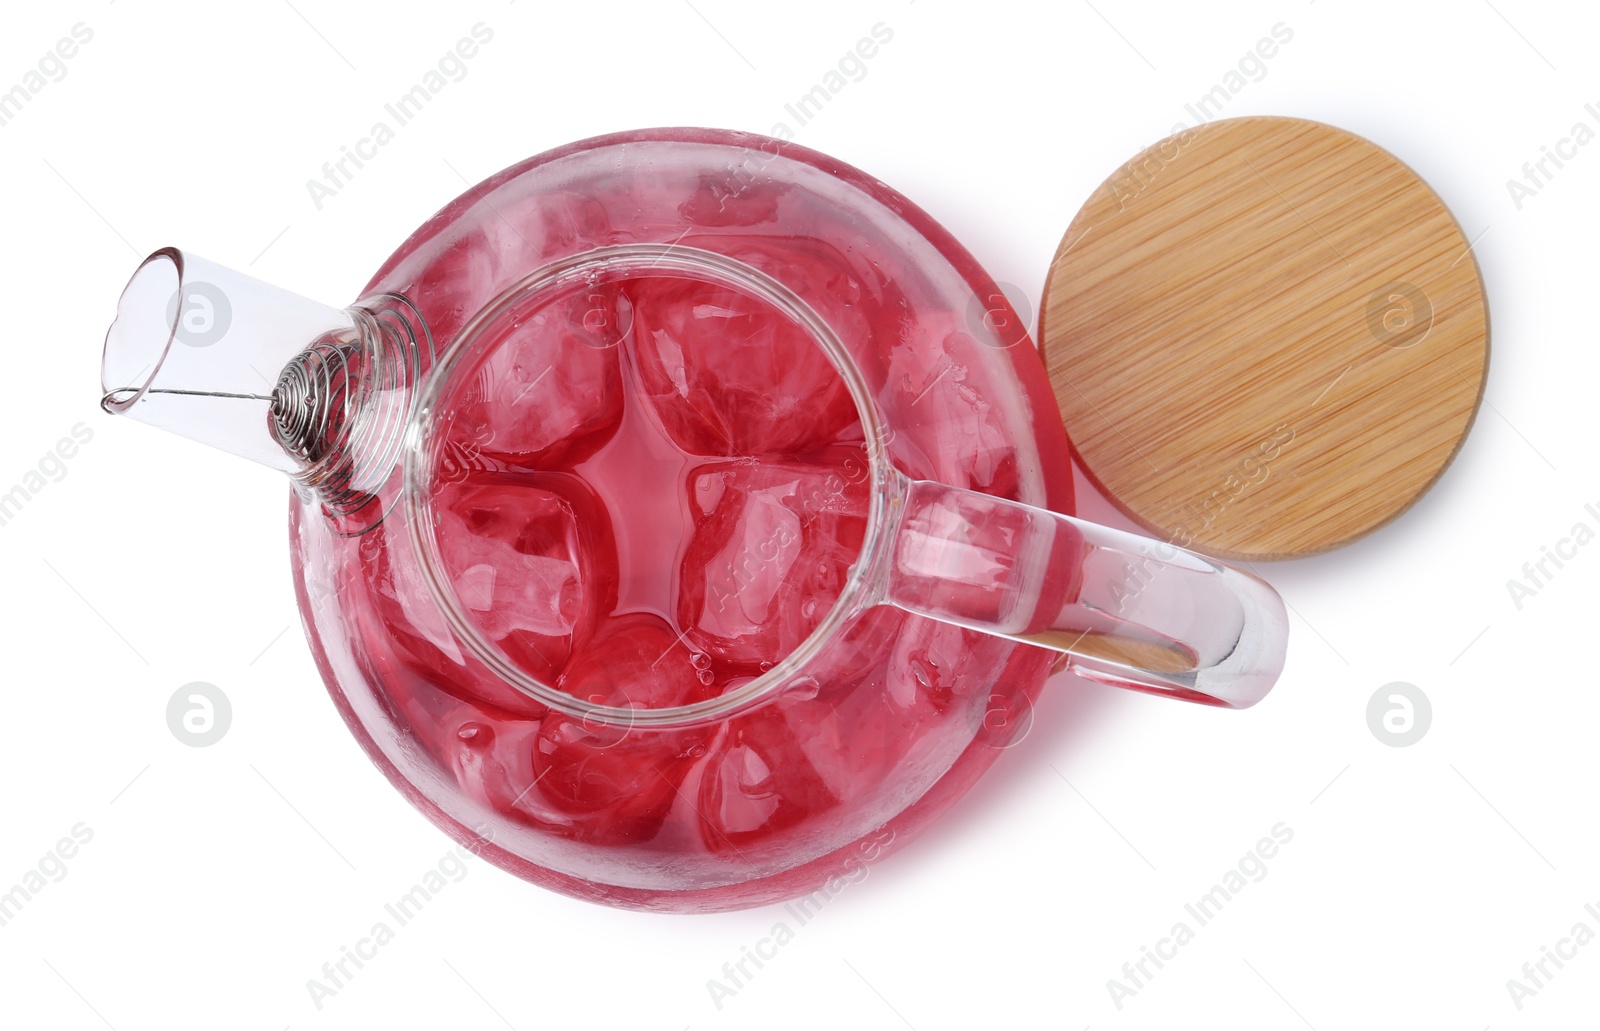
(1267, 336)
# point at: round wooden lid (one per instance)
(1268, 337)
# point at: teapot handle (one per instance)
(1128, 610)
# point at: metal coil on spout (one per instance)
(341, 405)
(311, 401)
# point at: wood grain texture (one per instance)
(1268, 337)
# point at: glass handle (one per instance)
(1129, 610)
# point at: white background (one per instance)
(219, 879)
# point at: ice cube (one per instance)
(531, 560)
(896, 693)
(489, 754)
(799, 757)
(939, 400)
(622, 779)
(962, 684)
(550, 393)
(729, 376)
(772, 547)
(399, 624)
(635, 661)
(938, 666)
(554, 774)
(559, 223)
(451, 288)
(756, 781)
(876, 706)
(492, 761)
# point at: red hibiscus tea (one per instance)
(663, 491)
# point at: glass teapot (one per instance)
(677, 517)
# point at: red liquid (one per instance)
(649, 493)
(651, 522)
(708, 490)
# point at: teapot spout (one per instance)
(199, 350)
(319, 393)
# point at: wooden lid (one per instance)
(1268, 337)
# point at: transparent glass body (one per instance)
(682, 518)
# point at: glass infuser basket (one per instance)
(677, 517)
